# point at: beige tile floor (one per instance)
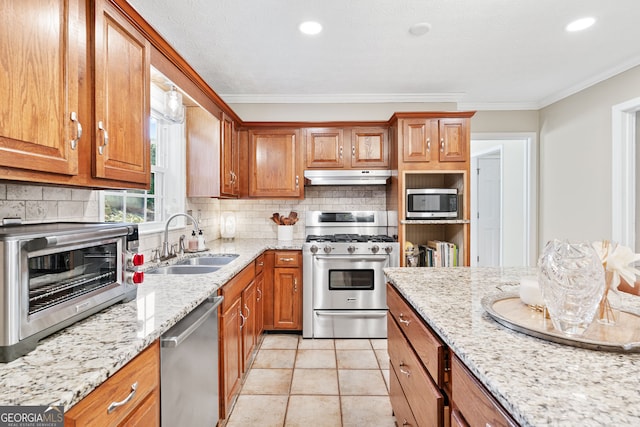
(315, 383)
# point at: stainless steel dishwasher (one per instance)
(189, 368)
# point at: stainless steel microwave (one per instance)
(432, 203)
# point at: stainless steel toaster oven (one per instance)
(58, 273)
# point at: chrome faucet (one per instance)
(166, 253)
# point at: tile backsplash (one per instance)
(36, 203)
(253, 216)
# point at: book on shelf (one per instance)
(441, 254)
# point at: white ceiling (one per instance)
(482, 54)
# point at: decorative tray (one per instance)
(508, 310)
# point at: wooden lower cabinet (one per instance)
(429, 385)
(230, 356)
(143, 409)
(422, 396)
(287, 290)
(238, 333)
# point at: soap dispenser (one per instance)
(201, 241)
(193, 242)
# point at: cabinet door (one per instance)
(231, 351)
(259, 309)
(249, 336)
(121, 68)
(416, 140)
(39, 128)
(274, 163)
(453, 140)
(230, 158)
(369, 148)
(287, 302)
(203, 153)
(325, 148)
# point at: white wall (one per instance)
(575, 160)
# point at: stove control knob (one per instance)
(388, 249)
(375, 249)
(327, 249)
(313, 249)
(351, 249)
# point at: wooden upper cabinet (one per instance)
(275, 163)
(325, 147)
(122, 107)
(454, 139)
(416, 140)
(203, 153)
(422, 137)
(230, 158)
(39, 127)
(369, 148)
(364, 148)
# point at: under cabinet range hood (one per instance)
(347, 177)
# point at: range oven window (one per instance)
(341, 280)
(62, 276)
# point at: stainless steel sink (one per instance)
(208, 260)
(184, 269)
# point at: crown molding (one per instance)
(497, 106)
(351, 98)
(607, 74)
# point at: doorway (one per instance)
(504, 199)
(486, 208)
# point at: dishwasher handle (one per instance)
(176, 340)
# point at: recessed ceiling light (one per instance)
(420, 28)
(580, 24)
(310, 27)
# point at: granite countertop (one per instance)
(68, 365)
(539, 383)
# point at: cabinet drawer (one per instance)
(424, 398)
(259, 264)
(287, 258)
(475, 404)
(143, 370)
(401, 409)
(426, 345)
(234, 287)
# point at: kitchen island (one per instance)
(68, 365)
(539, 383)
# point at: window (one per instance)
(167, 193)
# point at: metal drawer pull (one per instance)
(442, 145)
(115, 405)
(341, 151)
(287, 259)
(259, 294)
(405, 422)
(74, 142)
(404, 371)
(403, 320)
(248, 311)
(428, 144)
(242, 319)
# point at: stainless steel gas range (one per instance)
(344, 292)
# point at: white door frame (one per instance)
(623, 172)
(531, 184)
(474, 203)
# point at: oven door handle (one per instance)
(352, 258)
(368, 314)
(65, 239)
